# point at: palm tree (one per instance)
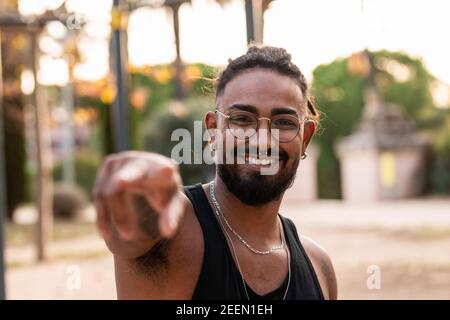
(21, 50)
(175, 5)
(255, 25)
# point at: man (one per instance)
(224, 239)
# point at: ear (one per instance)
(310, 127)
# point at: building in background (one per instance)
(384, 158)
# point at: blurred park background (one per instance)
(82, 79)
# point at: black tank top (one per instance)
(219, 277)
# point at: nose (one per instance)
(264, 123)
(264, 136)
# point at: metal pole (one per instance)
(120, 111)
(2, 186)
(250, 23)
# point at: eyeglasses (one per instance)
(244, 124)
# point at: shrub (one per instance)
(86, 166)
(157, 132)
(68, 201)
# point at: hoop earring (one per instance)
(303, 156)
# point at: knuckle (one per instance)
(110, 158)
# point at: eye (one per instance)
(285, 123)
(241, 119)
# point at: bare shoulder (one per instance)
(322, 265)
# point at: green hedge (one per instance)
(157, 131)
(86, 166)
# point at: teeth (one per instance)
(260, 162)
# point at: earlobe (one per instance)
(309, 129)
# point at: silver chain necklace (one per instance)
(244, 242)
(219, 214)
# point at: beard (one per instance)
(254, 189)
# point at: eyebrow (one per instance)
(253, 109)
(244, 107)
(276, 111)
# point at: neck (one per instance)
(256, 223)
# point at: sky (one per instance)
(314, 32)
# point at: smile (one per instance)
(258, 161)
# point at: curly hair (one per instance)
(273, 58)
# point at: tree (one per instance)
(337, 89)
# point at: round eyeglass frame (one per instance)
(227, 116)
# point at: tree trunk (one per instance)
(12, 46)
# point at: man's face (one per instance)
(264, 93)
